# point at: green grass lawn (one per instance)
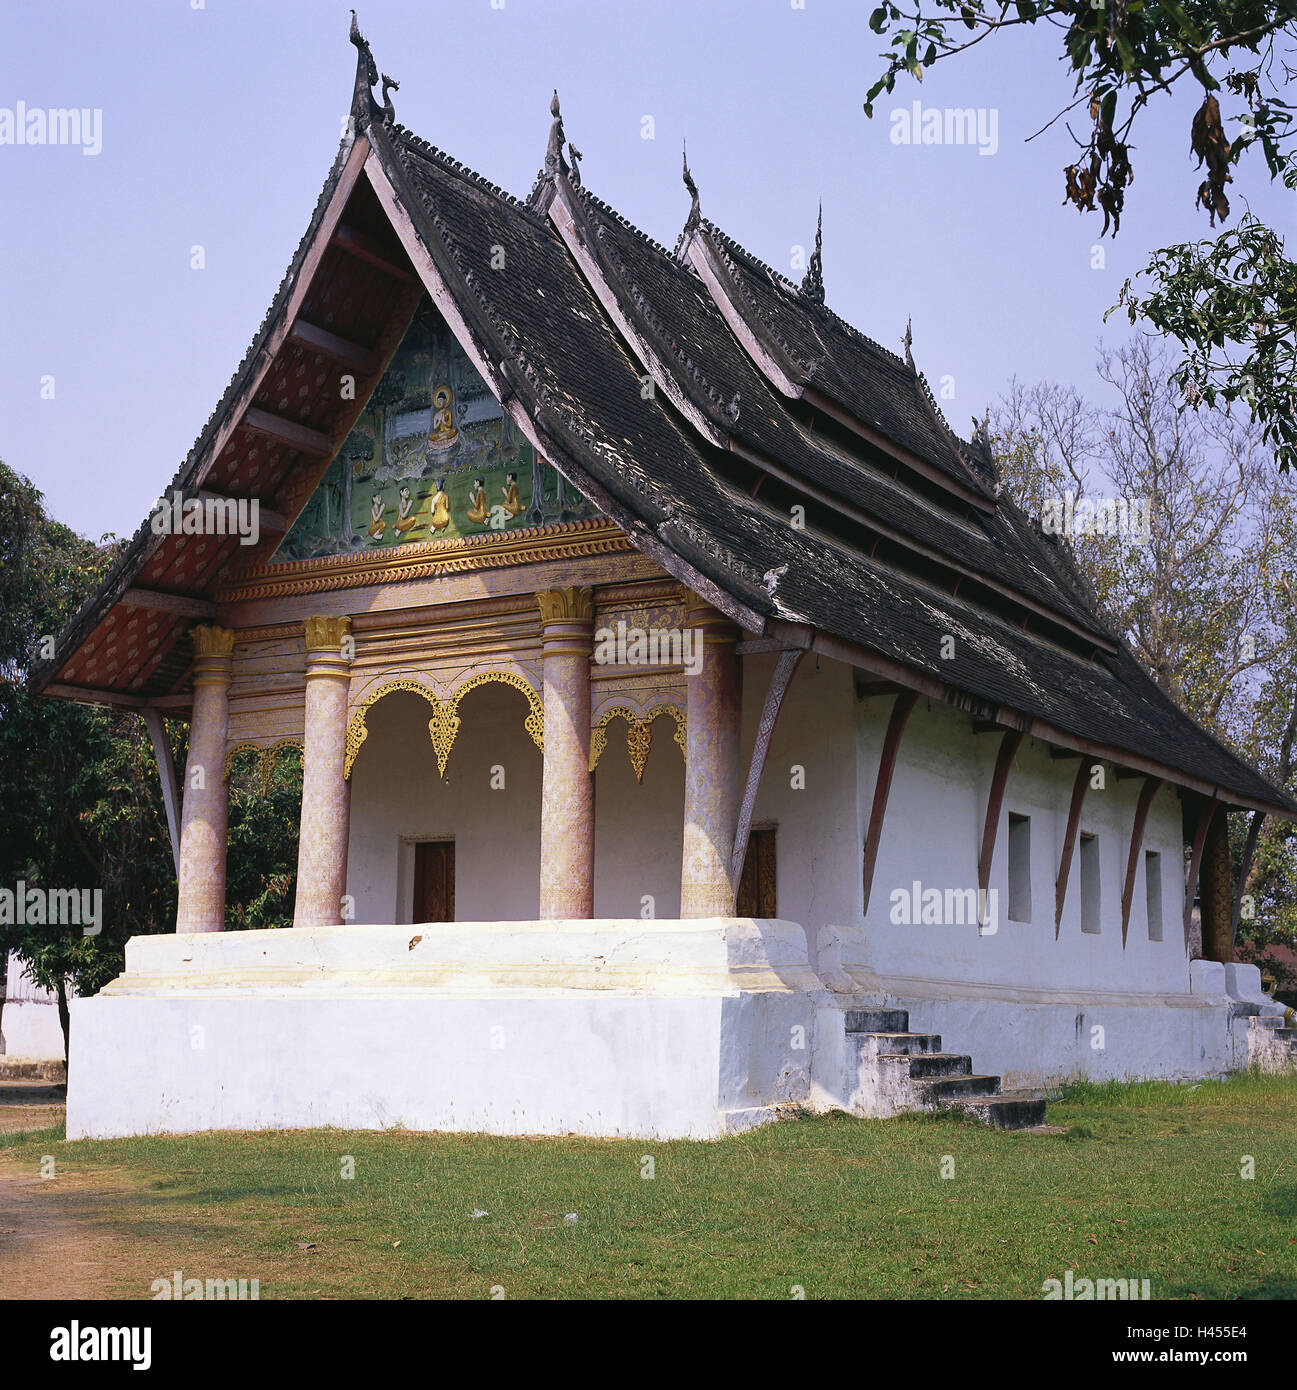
(1145, 1183)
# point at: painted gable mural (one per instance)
(431, 457)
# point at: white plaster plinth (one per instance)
(653, 1029)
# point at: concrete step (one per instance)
(948, 1088)
(878, 1021)
(1012, 1110)
(908, 1043)
(926, 1065)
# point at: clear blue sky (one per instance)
(220, 124)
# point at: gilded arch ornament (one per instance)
(444, 724)
(266, 756)
(639, 734)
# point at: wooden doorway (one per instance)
(434, 881)
(758, 894)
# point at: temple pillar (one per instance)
(711, 767)
(205, 810)
(326, 793)
(1216, 892)
(567, 794)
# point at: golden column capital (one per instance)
(326, 634)
(571, 604)
(213, 654)
(210, 640)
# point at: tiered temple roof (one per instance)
(791, 471)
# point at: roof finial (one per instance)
(813, 280)
(695, 212)
(554, 163)
(908, 341)
(363, 104)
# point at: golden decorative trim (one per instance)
(444, 725)
(423, 559)
(266, 756)
(570, 604)
(639, 734)
(326, 634)
(210, 640)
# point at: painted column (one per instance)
(567, 793)
(711, 766)
(326, 793)
(205, 809)
(1216, 892)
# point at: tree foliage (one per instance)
(1231, 304)
(82, 798)
(1205, 600)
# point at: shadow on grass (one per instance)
(1272, 1287)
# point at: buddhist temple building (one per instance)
(691, 726)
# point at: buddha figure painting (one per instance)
(431, 459)
(443, 434)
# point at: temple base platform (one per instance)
(647, 1029)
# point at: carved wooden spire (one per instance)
(554, 162)
(908, 340)
(813, 281)
(364, 107)
(695, 212)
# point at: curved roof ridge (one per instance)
(791, 288)
(583, 192)
(645, 307)
(453, 166)
(985, 469)
(129, 547)
(553, 403)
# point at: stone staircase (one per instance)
(899, 1070)
(1272, 1040)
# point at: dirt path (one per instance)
(31, 1104)
(56, 1236)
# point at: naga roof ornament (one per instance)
(363, 103)
(554, 161)
(555, 165)
(695, 211)
(813, 281)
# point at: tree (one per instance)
(1204, 594)
(83, 802)
(81, 811)
(1232, 303)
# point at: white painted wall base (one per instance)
(653, 1029)
(29, 1022)
(1031, 1039)
(30, 1032)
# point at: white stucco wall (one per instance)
(639, 826)
(396, 797)
(1020, 1001)
(933, 834)
(817, 848)
(29, 1022)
